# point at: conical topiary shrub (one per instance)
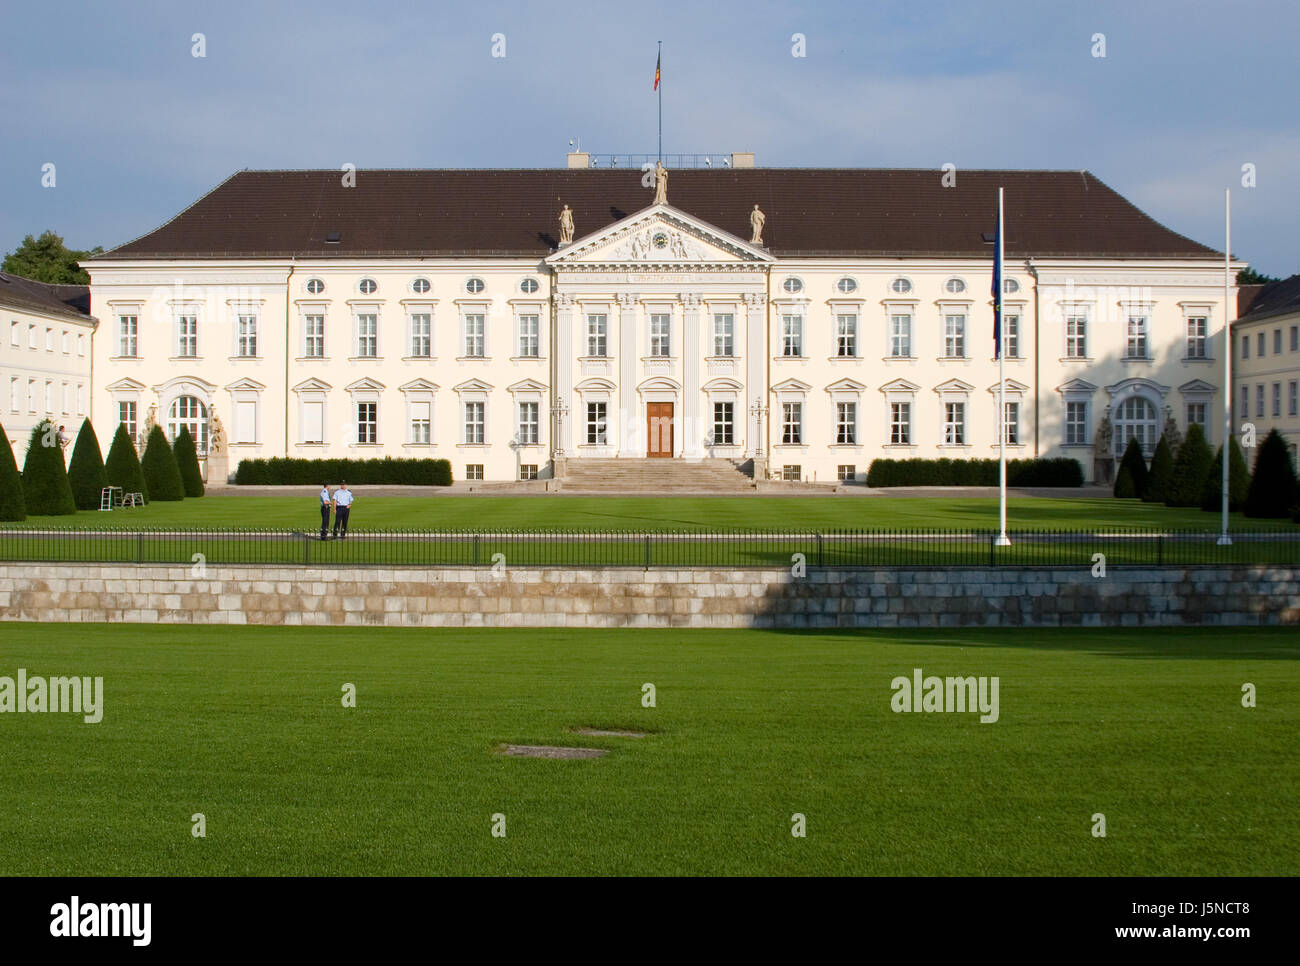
(1162, 471)
(1136, 465)
(1238, 481)
(13, 508)
(1273, 484)
(161, 474)
(86, 470)
(187, 459)
(45, 479)
(1191, 468)
(1125, 489)
(123, 466)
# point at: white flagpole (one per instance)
(1224, 539)
(1002, 540)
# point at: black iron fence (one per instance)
(675, 548)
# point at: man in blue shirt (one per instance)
(342, 506)
(326, 504)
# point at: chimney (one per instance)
(580, 159)
(742, 159)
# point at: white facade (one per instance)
(659, 335)
(45, 360)
(1266, 372)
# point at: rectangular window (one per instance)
(1011, 420)
(792, 335)
(81, 345)
(724, 425)
(528, 423)
(1245, 402)
(596, 423)
(954, 336)
(473, 471)
(187, 336)
(14, 339)
(1259, 398)
(1277, 399)
(954, 424)
(792, 422)
(1295, 338)
(1291, 398)
(528, 471)
(597, 335)
(66, 342)
(1245, 347)
(368, 335)
(1076, 337)
(846, 423)
(530, 346)
(659, 335)
(31, 337)
(15, 394)
(245, 422)
(900, 424)
(474, 423)
(846, 336)
(1011, 335)
(1196, 414)
(475, 339)
(1076, 424)
(247, 336)
(792, 473)
(421, 335)
(81, 399)
(314, 336)
(367, 422)
(1259, 345)
(313, 421)
(1277, 342)
(421, 422)
(65, 392)
(724, 334)
(49, 339)
(49, 395)
(900, 336)
(846, 472)
(126, 416)
(1135, 346)
(1197, 331)
(33, 395)
(127, 331)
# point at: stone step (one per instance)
(655, 475)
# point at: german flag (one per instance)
(657, 60)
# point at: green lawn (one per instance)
(1144, 726)
(658, 513)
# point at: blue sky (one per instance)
(138, 128)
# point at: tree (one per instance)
(1162, 472)
(1238, 481)
(123, 466)
(1248, 276)
(1125, 488)
(1272, 490)
(1136, 464)
(1172, 435)
(13, 508)
(161, 474)
(47, 259)
(86, 470)
(1191, 467)
(187, 459)
(45, 479)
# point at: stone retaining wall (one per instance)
(1036, 597)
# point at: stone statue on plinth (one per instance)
(566, 226)
(756, 220)
(661, 183)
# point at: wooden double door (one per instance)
(659, 429)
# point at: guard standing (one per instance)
(342, 507)
(326, 502)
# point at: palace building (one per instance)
(798, 323)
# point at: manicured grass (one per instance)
(658, 513)
(1144, 726)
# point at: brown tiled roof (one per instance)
(828, 212)
(1275, 298)
(67, 301)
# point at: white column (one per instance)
(691, 354)
(755, 365)
(563, 349)
(627, 356)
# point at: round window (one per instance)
(955, 285)
(1010, 285)
(901, 285)
(847, 285)
(315, 286)
(421, 285)
(474, 285)
(793, 285)
(368, 286)
(528, 285)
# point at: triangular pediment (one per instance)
(313, 385)
(953, 385)
(1012, 386)
(900, 385)
(846, 385)
(125, 384)
(365, 384)
(791, 385)
(1198, 387)
(1076, 386)
(659, 236)
(527, 385)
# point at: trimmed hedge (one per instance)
(1272, 492)
(1191, 468)
(123, 465)
(1238, 481)
(1162, 472)
(187, 460)
(45, 479)
(1138, 476)
(13, 508)
(86, 469)
(950, 472)
(281, 471)
(161, 474)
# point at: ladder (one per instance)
(109, 497)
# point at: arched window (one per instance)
(1136, 419)
(189, 411)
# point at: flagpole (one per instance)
(1003, 540)
(1224, 539)
(660, 85)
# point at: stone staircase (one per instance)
(654, 476)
